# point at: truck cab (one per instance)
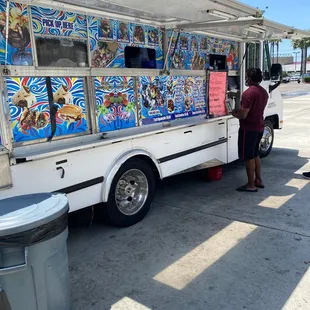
(257, 55)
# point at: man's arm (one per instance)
(241, 114)
(246, 104)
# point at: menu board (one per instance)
(108, 39)
(29, 108)
(19, 43)
(115, 98)
(58, 23)
(166, 98)
(69, 99)
(217, 93)
(189, 52)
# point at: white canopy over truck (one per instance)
(100, 98)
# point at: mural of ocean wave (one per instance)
(71, 128)
(31, 134)
(69, 97)
(93, 32)
(29, 108)
(116, 102)
(19, 44)
(107, 123)
(60, 23)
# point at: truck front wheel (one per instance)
(131, 194)
(267, 140)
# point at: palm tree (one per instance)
(275, 42)
(303, 45)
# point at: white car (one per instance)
(295, 77)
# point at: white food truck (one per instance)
(100, 98)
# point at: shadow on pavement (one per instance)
(195, 249)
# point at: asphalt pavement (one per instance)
(205, 246)
(293, 89)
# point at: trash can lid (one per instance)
(22, 213)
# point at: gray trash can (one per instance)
(33, 253)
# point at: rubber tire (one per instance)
(263, 154)
(110, 210)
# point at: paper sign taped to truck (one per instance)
(217, 93)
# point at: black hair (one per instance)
(255, 75)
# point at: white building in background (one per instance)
(295, 67)
(283, 60)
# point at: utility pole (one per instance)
(296, 57)
(304, 63)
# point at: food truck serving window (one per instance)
(139, 57)
(59, 52)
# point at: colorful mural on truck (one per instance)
(225, 47)
(115, 100)
(19, 51)
(166, 98)
(29, 108)
(69, 98)
(58, 23)
(190, 52)
(108, 39)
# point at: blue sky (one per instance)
(294, 13)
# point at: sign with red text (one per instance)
(217, 93)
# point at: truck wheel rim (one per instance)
(131, 192)
(266, 141)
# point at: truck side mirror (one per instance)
(276, 73)
(266, 76)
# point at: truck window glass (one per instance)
(252, 57)
(138, 57)
(61, 52)
(267, 62)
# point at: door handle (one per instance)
(189, 131)
(62, 171)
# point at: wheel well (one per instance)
(274, 119)
(150, 162)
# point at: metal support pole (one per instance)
(296, 58)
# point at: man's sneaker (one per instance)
(306, 175)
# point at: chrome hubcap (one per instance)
(266, 141)
(131, 192)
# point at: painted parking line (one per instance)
(295, 94)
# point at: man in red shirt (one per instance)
(251, 116)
